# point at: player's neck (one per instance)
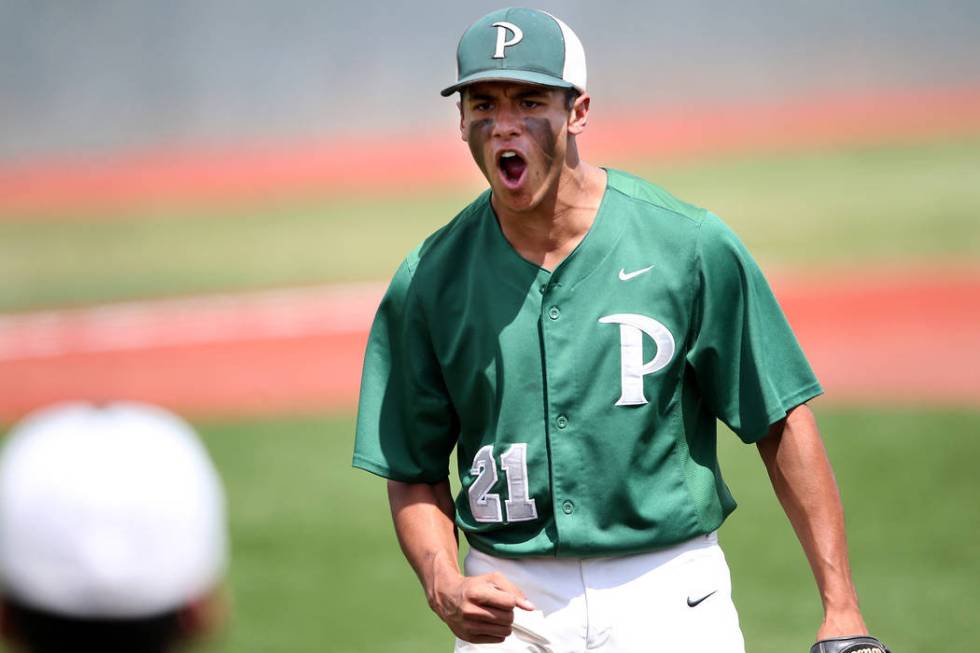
(550, 232)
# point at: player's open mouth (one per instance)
(512, 168)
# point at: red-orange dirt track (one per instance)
(891, 336)
(97, 187)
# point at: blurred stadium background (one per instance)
(200, 203)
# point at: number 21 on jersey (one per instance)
(484, 504)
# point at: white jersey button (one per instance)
(562, 421)
(567, 507)
(554, 313)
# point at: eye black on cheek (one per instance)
(478, 133)
(542, 133)
(480, 129)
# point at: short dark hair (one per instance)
(45, 632)
(571, 94)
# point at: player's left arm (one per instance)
(800, 471)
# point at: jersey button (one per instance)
(543, 288)
(562, 421)
(567, 507)
(554, 313)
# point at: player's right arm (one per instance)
(406, 429)
(478, 609)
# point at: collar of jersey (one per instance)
(587, 256)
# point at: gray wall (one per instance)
(97, 75)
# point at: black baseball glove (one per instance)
(856, 644)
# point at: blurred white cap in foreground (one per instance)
(113, 511)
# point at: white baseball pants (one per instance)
(666, 601)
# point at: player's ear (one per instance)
(578, 115)
(462, 125)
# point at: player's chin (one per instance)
(515, 204)
(517, 200)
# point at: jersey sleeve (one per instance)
(406, 425)
(748, 364)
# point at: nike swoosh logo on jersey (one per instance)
(626, 276)
(692, 603)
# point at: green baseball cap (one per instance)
(524, 45)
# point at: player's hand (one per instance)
(478, 609)
(842, 623)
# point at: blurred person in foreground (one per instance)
(113, 531)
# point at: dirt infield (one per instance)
(891, 336)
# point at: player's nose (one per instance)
(507, 122)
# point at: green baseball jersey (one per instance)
(581, 402)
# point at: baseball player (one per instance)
(112, 531)
(574, 334)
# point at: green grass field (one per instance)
(914, 203)
(316, 565)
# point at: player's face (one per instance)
(518, 135)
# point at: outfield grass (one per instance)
(316, 565)
(913, 203)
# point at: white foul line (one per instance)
(289, 313)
